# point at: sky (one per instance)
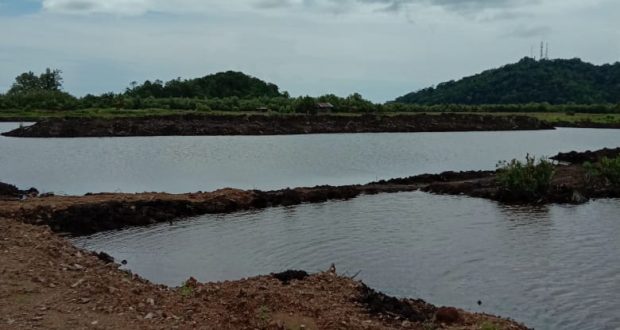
(379, 48)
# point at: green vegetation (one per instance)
(264, 314)
(608, 169)
(219, 85)
(33, 97)
(186, 290)
(489, 326)
(530, 180)
(529, 81)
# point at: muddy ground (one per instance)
(202, 124)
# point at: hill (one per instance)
(557, 81)
(219, 85)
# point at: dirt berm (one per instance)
(205, 124)
(82, 215)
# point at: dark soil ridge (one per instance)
(575, 157)
(11, 192)
(84, 215)
(586, 124)
(92, 213)
(202, 124)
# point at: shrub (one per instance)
(607, 169)
(529, 180)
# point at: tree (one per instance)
(306, 105)
(25, 82)
(50, 80)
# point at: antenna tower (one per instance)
(541, 50)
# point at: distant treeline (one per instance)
(235, 91)
(529, 81)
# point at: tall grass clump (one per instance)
(527, 180)
(607, 169)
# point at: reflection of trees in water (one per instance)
(522, 215)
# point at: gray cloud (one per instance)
(530, 31)
(267, 4)
(135, 7)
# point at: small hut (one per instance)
(324, 107)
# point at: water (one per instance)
(184, 164)
(552, 267)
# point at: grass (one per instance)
(489, 326)
(607, 169)
(186, 290)
(264, 314)
(530, 179)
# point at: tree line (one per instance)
(513, 88)
(224, 91)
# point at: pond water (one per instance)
(552, 267)
(185, 164)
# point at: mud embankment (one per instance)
(83, 215)
(586, 124)
(575, 157)
(201, 124)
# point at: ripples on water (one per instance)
(553, 267)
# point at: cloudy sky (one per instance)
(379, 48)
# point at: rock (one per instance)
(104, 257)
(149, 316)
(578, 198)
(76, 284)
(289, 275)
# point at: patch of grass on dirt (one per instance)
(530, 179)
(607, 169)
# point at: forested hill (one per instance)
(219, 85)
(529, 81)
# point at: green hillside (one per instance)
(529, 81)
(219, 85)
